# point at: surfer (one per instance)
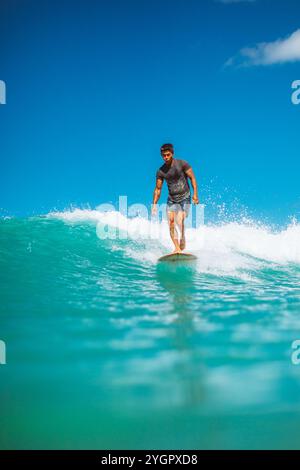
(176, 173)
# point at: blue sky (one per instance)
(94, 88)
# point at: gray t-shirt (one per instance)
(176, 179)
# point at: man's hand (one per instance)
(154, 209)
(156, 195)
(191, 175)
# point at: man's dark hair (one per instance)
(167, 148)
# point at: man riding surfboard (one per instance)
(176, 173)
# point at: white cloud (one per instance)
(269, 53)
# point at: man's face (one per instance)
(167, 155)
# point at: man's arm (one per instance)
(192, 177)
(156, 194)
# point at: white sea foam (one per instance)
(224, 248)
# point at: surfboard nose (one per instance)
(173, 257)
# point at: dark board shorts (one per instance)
(179, 206)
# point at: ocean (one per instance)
(108, 349)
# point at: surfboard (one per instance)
(173, 257)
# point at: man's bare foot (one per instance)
(177, 250)
(182, 243)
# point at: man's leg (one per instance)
(179, 219)
(173, 231)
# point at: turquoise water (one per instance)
(106, 348)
